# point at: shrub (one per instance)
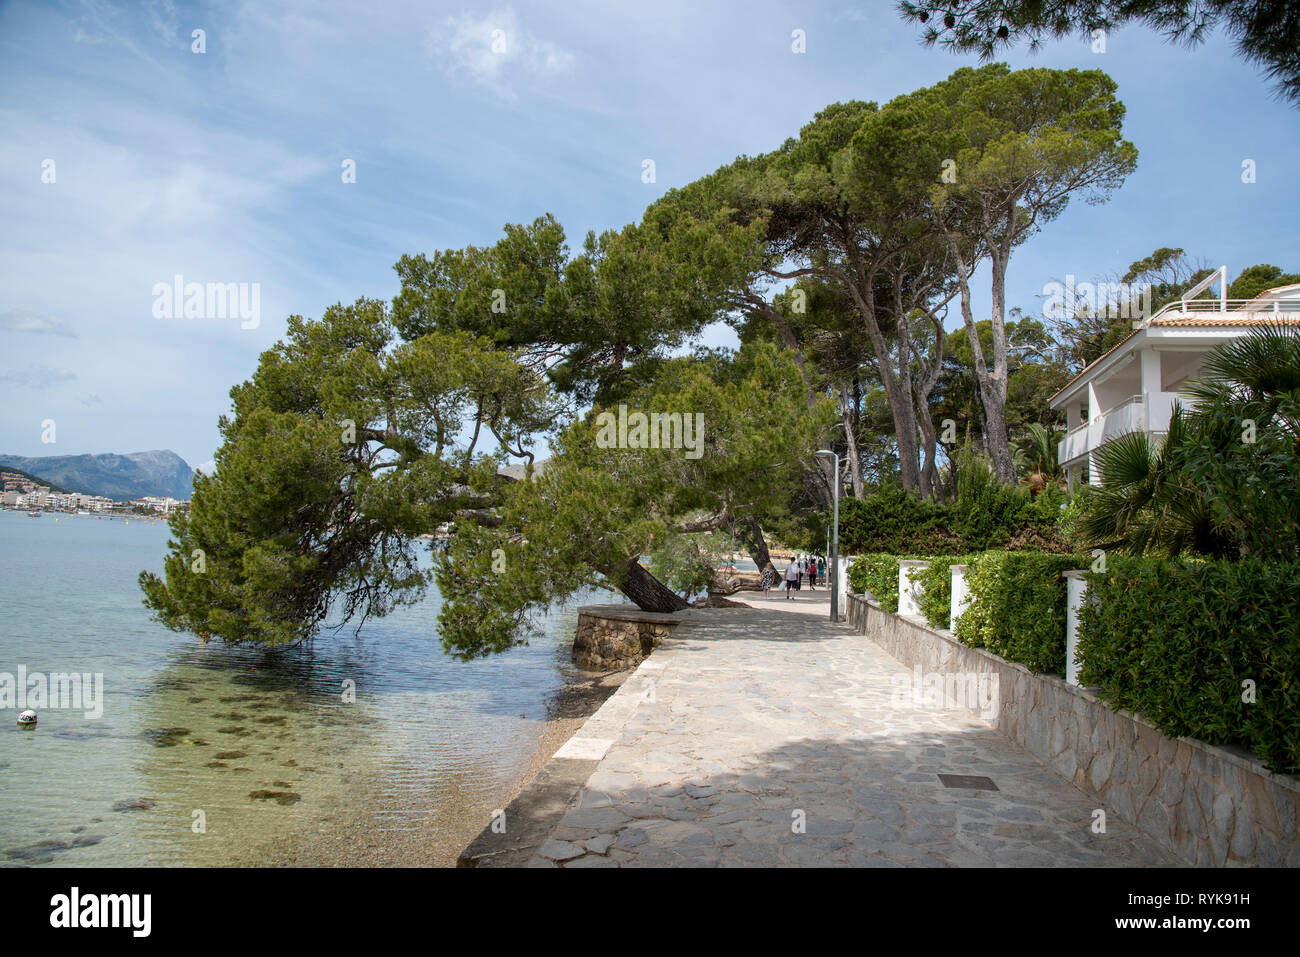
(893, 522)
(1017, 607)
(878, 574)
(857, 576)
(936, 598)
(1176, 640)
(986, 515)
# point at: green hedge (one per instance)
(889, 521)
(936, 598)
(1017, 607)
(985, 515)
(1175, 640)
(876, 573)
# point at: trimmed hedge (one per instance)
(985, 515)
(936, 598)
(1017, 607)
(878, 574)
(889, 521)
(1175, 640)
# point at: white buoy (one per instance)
(27, 719)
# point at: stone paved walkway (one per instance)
(747, 721)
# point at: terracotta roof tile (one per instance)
(1230, 319)
(1240, 318)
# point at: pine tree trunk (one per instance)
(749, 533)
(645, 591)
(851, 442)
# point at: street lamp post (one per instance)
(835, 538)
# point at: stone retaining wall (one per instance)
(1211, 806)
(616, 637)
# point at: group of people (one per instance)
(801, 568)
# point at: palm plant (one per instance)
(1246, 457)
(1224, 480)
(1143, 503)
(1034, 454)
(1256, 377)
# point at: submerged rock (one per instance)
(279, 797)
(166, 737)
(134, 804)
(42, 852)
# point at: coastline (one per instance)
(343, 836)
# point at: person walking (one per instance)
(791, 578)
(769, 579)
(821, 570)
(812, 572)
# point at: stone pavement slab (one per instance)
(768, 736)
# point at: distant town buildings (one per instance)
(22, 493)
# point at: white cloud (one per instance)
(494, 48)
(38, 376)
(24, 320)
(164, 21)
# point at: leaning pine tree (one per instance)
(349, 444)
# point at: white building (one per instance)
(1134, 385)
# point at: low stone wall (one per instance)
(1211, 806)
(615, 637)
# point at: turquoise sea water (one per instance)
(258, 748)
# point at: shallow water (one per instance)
(205, 753)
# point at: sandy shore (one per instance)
(343, 836)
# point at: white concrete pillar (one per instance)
(960, 594)
(843, 573)
(908, 590)
(1094, 432)
(1150, 371)
(1076, 586)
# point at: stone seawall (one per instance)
(616, 637)
(1212, 806)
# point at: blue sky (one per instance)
(225, 166)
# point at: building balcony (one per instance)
(1149, 412)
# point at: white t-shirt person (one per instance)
(791, 577)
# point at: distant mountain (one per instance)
(117, 476)
(8, 470)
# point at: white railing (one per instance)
(1149, 412)
(1074, 444)
(1228, 308)
(1126, 416)
(1123, 417)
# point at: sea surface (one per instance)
(209, 755)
